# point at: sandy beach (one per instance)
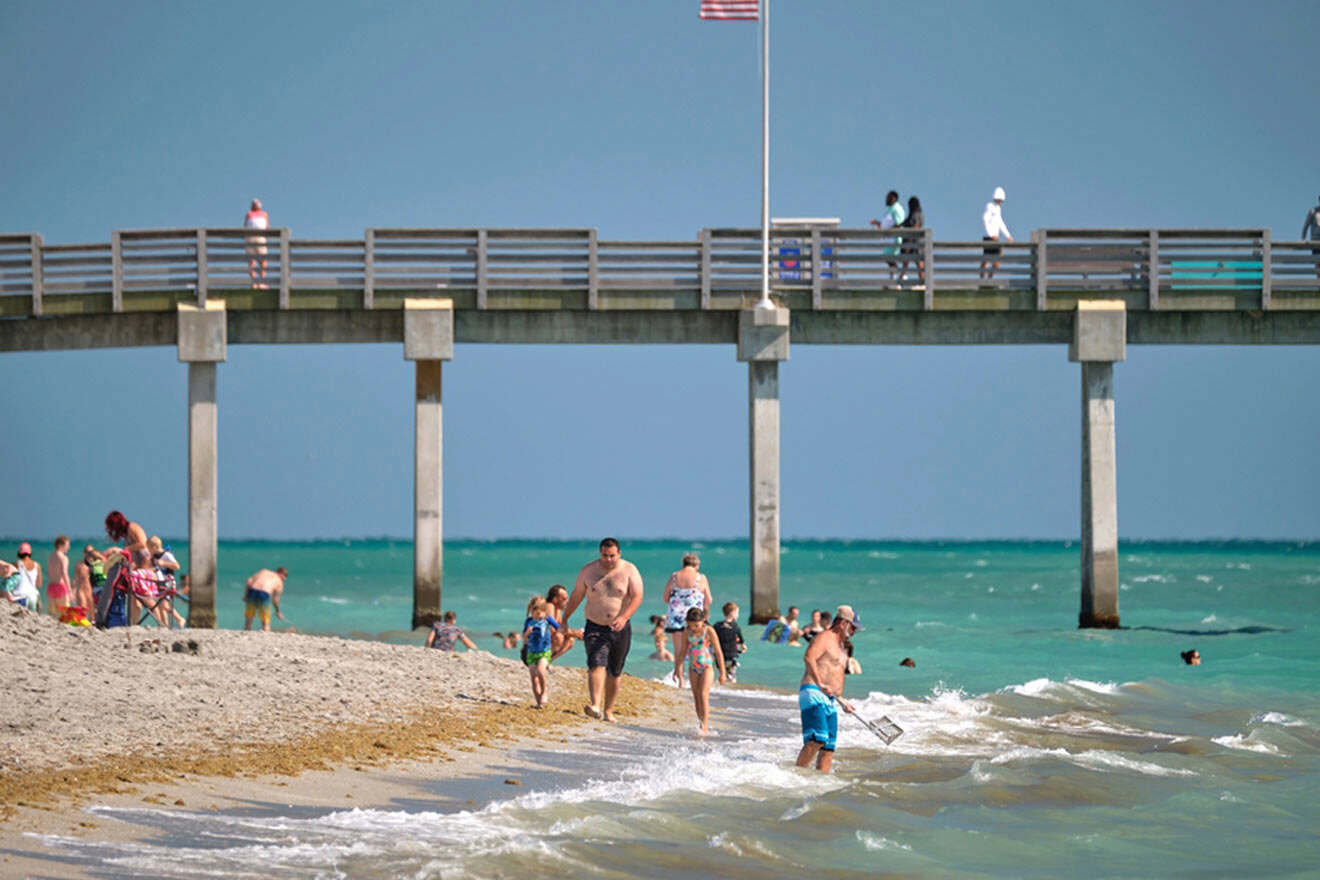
(213, 718)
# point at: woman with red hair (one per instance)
(119, 528)
(135, 554)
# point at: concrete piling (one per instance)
(202, 343)
(1099, 340)
(428, 340)
(763, 342)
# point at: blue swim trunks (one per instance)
(820, 717)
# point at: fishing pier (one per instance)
(1094, 291)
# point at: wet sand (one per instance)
(216, 719)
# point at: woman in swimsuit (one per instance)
(687, 588)
(702, 642)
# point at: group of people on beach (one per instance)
(124, 584)
(610, 591)
(116, 586)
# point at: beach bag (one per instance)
(112, 607)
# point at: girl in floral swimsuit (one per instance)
(702, 643)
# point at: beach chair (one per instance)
(166, 594)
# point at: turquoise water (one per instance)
(1031, 748)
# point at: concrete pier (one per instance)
(202, 344)
(1099, 341)
(428, 341)
(763, 341)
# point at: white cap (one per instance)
(999, 193)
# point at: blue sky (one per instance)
(640, 120)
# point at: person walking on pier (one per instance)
(893, 217)
(916, 219)
(1311, 230)
(612, 589)
(256, 244)
(993, 221)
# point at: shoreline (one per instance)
(251, 718)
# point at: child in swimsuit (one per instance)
(536, 636)
(702, 644)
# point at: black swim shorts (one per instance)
(607, 648)
(991, 250)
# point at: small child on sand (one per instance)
(536, 636)
(661, 642)
(702, 643)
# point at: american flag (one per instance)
(729, 10)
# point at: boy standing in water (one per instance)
(536, 636)
(821, 690)
(731, 640)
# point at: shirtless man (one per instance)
(262, 592)
(58, 590)
(821, 690)
(612, 588)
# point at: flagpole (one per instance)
(765, 302)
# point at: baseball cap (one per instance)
(999, 193)
(25, 547)
(845, 612)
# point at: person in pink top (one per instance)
(256, 244)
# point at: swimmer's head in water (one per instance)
(1192, 657)
(909, 662)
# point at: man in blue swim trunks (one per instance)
(821, 691)
(262, 592)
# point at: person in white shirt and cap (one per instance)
(993, 220)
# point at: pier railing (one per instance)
(812, 268)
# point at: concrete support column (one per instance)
(763, 342)
(1099, 340)
(202, 344)
(428, 341)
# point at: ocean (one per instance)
(1031, 748)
